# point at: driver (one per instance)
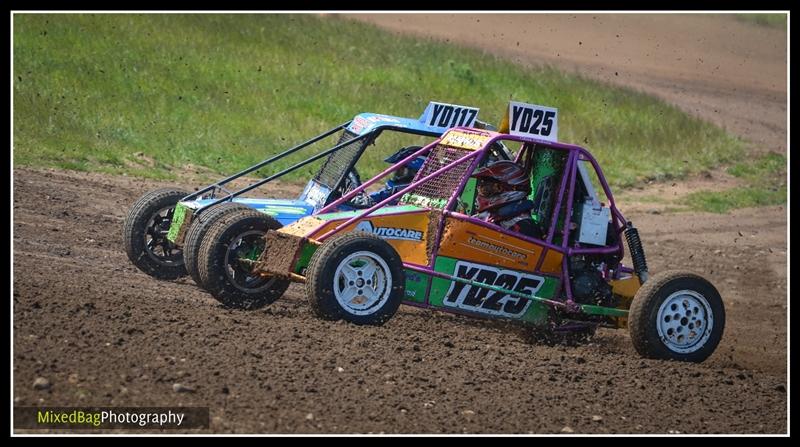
(503, 189)
(401, 178)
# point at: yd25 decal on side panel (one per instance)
(479, 299)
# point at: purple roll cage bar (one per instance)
(576, 153)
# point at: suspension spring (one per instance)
(637, 252)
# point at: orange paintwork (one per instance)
(409, 250)
(302, 226)
(627, 287)
(461, 240)
(552, 262)
(472, 242)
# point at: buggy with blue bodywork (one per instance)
(165, 227)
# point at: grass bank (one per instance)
(148, 95)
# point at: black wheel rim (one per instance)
(242, 252)
(156, 244)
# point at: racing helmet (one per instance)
(407, 172)
(500, 183)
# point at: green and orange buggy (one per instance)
(428, 250)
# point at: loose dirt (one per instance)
(103, 333)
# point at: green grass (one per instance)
(767, 166)
(91, 91)
(765, 184)
(742, 197)
(764, 19)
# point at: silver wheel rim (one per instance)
(155, 239)
(238, 277)
(362, 283)
(684, 321)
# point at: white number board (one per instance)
(444, 116)
(531, 120)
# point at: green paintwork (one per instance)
(467, 199)
(416, 286)
(600, 310)
(422, 201)
(547, 167)
(535, 314)
(178, 216)
(274, 210)
(306, 252)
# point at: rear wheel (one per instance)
(144, 234)
(357, 277)
(224, 260)
(198, 230)
(676, 316)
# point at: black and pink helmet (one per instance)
(500, 183)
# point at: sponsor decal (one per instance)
(479, 299)
(358, 125)
(464, 140)
(383, 118)
(315, 194)
(404, 234)
(531, 120)
(445, 116)
(276, 210)
(496, 248)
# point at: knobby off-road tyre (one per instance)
(676, 315)
(357, 277)
(233, 236)
(198, 230)
(144, 234)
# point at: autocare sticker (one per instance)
(444, 116)
(464, 140)
(531, 120)
(479, 299)
(405, 234)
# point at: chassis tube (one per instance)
(266, 162)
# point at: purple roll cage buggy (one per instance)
(427, 251)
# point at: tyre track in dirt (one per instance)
(104, 333)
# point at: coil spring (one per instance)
(637, 251)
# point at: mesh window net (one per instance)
(436, 191)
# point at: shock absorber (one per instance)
(637, 252)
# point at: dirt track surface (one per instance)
(105, 334)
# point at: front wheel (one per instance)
(197, 231)
(235, 240)
(144, 234)
(676, 315)
(357, 277)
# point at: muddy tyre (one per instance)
(198, 230)
(144, 234)
(232, 240)
(676, 315)
(357, 277)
